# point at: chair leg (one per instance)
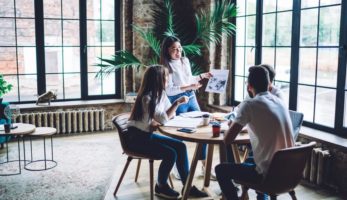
(137, 170)
(244, 195)
(171, 183)
(151, 177)
(292, 194)
(122, 175)
(273, 197)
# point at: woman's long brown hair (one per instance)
(153, 84)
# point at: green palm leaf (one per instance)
(149, 37)
(192, 50)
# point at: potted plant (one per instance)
(5, 87)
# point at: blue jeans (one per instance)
(168, 149)
(244, 172)
(192, 105)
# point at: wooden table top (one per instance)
(203, 134)
(22, 129)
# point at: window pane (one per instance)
(283, 64)
(94, 84)
(8, 35)
(13, 94)
(250, 56)
(93, 9)
(284, 29)
(306, 101)
(107, 11)
(309, 3)
(250, 37)
(107, 33)
(239, 88)
(325, 107)
(93, 31)
(239, 61)
(26, 32)
(329, 2)
(72, 86)
(240, 7)
(26, 60)
(71, 59)
(284, 87)
(55, 82)
(251, 7)
(28, 90)
(93, 54)
(6, 8)
(107, 52)
(269, 29)
(71, 32)
(53, 32)
(52, 9)
(53, 59)
(327, 67)
(240, 31)
(108, 84)
(268, 55)
(269, 6)
(70, 9)
(308, 27)
(284, 5)
(329, 26)
(8, 64)
(307, 65)
(25, 8)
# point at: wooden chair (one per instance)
(297, 119)
(120, 121)
(284, 173)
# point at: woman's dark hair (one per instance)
(271, 71)
(165, 54)
(258, 78)
(153, 84)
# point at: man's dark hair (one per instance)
(271, 71)
(258, 78)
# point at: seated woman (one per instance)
(152, 108)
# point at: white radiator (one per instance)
(318, 167)
(67, 121)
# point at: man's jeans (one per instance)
(244, 172)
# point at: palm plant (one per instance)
(209, 28)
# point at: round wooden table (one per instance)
(20, 130)
(203, 135)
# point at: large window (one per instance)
(305, 41)
(55, 44)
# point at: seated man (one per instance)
(269, 128)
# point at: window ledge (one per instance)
(71, 103)
(324, 137)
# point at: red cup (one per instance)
(216, 130)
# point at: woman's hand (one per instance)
(195, 86)
(182, 100)
(206, 75)
(154, 125)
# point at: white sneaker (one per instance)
(212, 175)
(175, 174)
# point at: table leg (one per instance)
(189, 181)
(236, 153)
(208, 165)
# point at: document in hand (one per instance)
(184, 122)
(218, 82)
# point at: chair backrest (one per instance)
(286, 168)
(297, 119)
(120, 121)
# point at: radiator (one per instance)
(317, 167)
(67, 121)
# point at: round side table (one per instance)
(37, 164)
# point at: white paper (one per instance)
(218, 83)
(194, 114)
(184, 122)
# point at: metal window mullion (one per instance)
(258, 32)
(117, 17)
(62, 47)
(83, 49)
(40, 49)
(16, 43)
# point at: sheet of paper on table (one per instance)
(194, 114)
(184, 122)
